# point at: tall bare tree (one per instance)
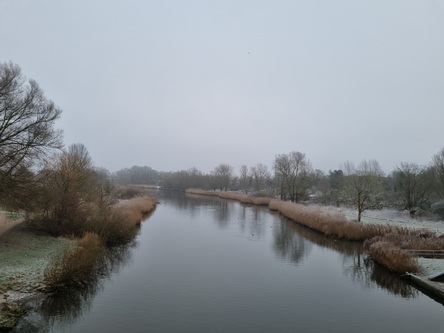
(244, 179)
(438, 166)
(222, 176)
(259, 176)
(414, 187)
(292, 172)
(363, 185)
(68, 185)
(26, 127)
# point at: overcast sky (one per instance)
(175, 84)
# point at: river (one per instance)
(209, 265)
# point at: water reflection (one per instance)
(198, 285)
(290, 245)
(292, 242)
(47, 313)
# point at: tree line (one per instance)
(39, 176)
(415, 188)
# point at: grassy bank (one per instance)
(386, 244)
(32, 261)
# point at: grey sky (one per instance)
(178, 84)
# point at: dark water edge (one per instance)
(207, 264)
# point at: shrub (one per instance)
(75, 266)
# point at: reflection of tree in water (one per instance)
(254, 219)
(289, 245)
(46, 314)
(222, 214)
(355, 262)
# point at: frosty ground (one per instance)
(401, 219)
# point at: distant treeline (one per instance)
(417, 189)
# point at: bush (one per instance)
(75, 266)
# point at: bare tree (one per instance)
(244, 179)
(413, 186)
(26, 127)
(363, 186)
(438, 166)
(336, 178)
(292, 173)
(259, 176)
(68, 184)
(222, 177)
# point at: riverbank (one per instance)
(375, 225)
(25, 254)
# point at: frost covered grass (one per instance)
(397, 218)
(24, 256)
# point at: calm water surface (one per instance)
(209, 265)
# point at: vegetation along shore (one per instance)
(388, 245)
(33, 261)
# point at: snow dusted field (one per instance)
(392, 217)
(401, 219)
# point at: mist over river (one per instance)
(205, 264)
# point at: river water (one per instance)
(209, 265)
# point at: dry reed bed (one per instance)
(392, 257)
(243, 198)
(136, 209)
(331, 224)
(388, 252)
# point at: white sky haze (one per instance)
(180, 84)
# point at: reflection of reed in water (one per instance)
(64, 308)
(356, 264)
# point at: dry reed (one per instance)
(75, 266)
(120, 224)
(136, 209)
(393, 258)
(244, 198)
(385, 244)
